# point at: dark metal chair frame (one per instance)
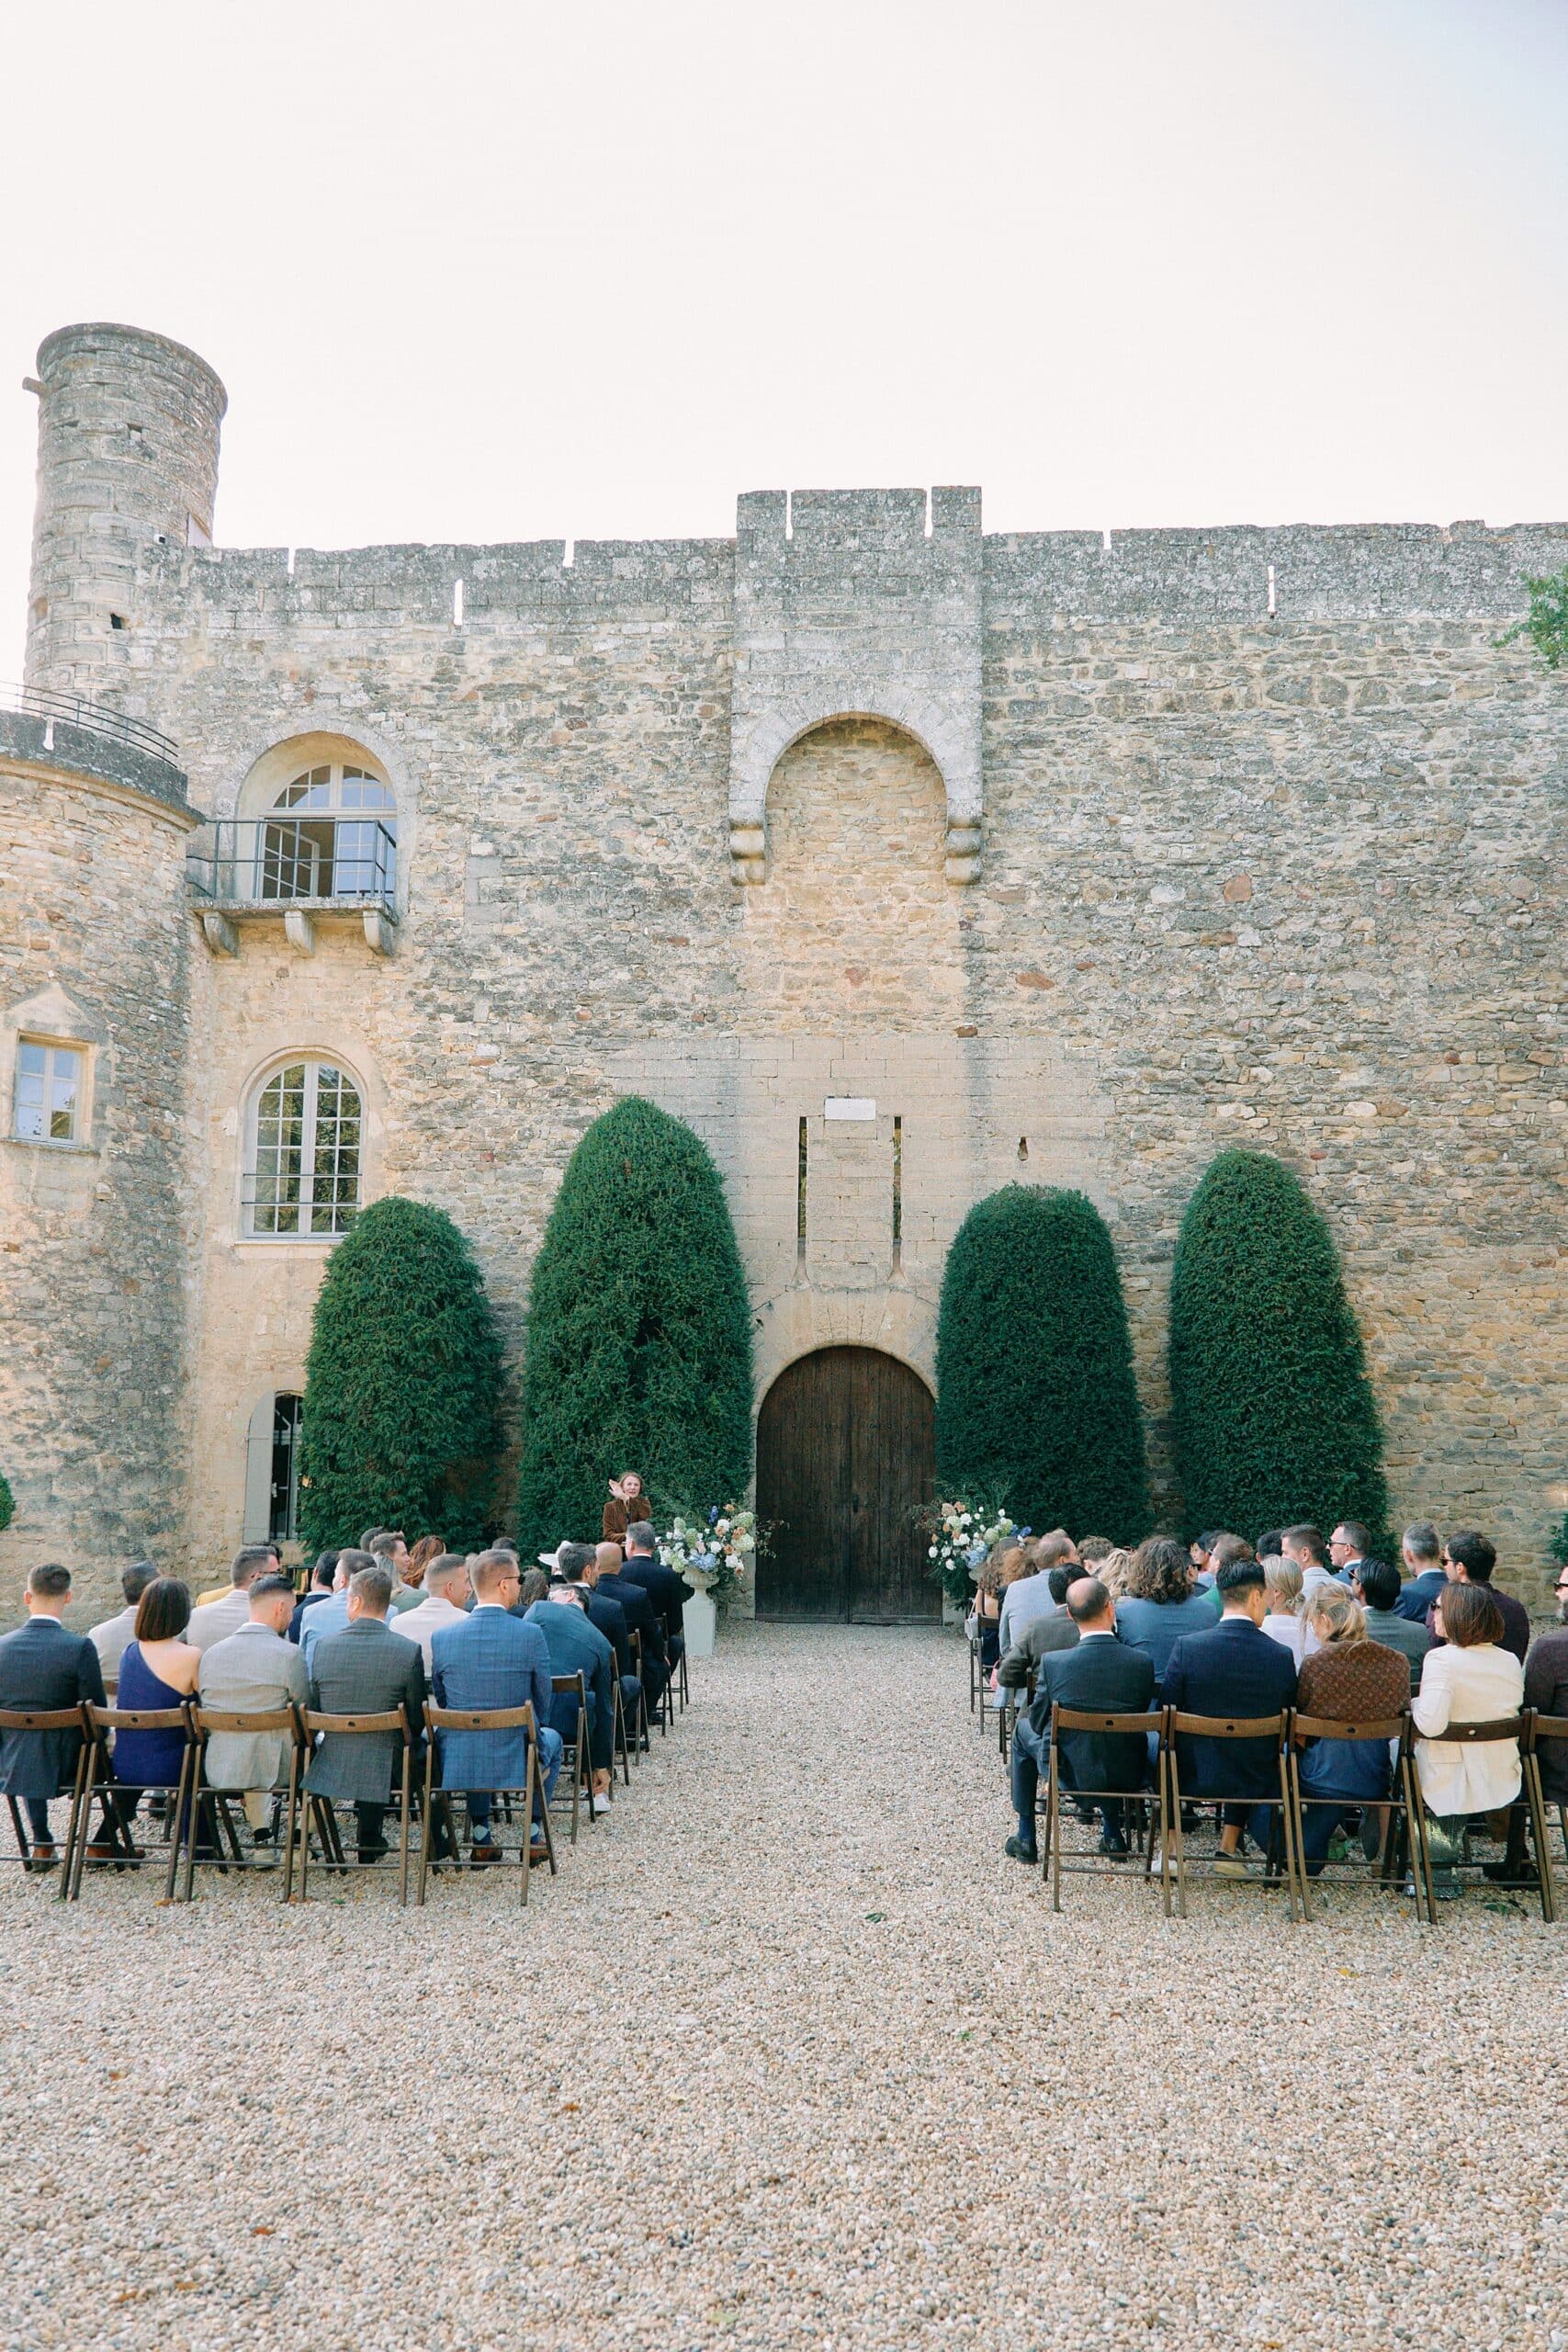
(320, 1809)
(1547, 1727)
(1399, 1804)
(207, 1720)
(103, 1784)
(40, 1720)
(1221, 1728)
(1520, 1727)
(1154, 1802)
(577, 1748)
(438, 1801)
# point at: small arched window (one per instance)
(335, 836)
(302, 1165)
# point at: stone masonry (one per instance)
(1080, 858)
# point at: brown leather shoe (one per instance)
(42, 1857)
(490, 1851)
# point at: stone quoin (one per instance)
(1064, 857)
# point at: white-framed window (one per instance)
(302, 1166)
(335, 836)
(48, 1097)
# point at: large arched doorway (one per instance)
(846, 1451)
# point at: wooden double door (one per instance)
(846, 1452)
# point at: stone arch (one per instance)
(285, 1043)
(757, 755)
(267, 763)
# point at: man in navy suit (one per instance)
(493, 1659)
(642, 1617)
(43, 1667)
(668, 1592)
(578, 1647)
(1421, 1549)
(1235, 1670)
(1099, 1672)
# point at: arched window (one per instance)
(302, 1165)
(335, 835)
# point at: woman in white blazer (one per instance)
(1468, 1679)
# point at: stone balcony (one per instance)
(305, 873)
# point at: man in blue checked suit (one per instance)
(493, 1659)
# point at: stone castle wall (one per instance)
(1080, 861)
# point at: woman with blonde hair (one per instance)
(1346, 1680)
(1111, 1569)
(1286, 1621)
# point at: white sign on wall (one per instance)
(849, 1106)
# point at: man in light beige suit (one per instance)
(253, 1671)
(214, 1622)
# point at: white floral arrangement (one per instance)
(712, 1553)
(962, 1537)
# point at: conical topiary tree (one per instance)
(7, 1505)
(638, 1351)
(1273, 1419)
(1037, 1407)
(401, 1408)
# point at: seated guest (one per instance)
(627, 1502)
(642, 1618)
(428, 1548)
(254, 1672)
(445, 1591)
(1348, 1548)
(1224, 1548)
(323, 1577)
(1469, 1558)
(219, 1619)
(578, 1565)
(157, 1672)
(1159, 1604)
(492, 1659)
(331, 1615)
(391, 1549)
(1305, 1544)
(1375, 1584)
(1348, 1679)
(226, 1591)
(363, 1670)
(668, 1593)
(576, 1647)
(1198, 1549)
(982, 1624)
(1093, 1550)
(1099, 1672)
(111, 1638)
(1232, 1669)
(1546, 1689)
(1111, 1569)
(1468, 1677)
(1285, 1621)
(44, 1666)
(1421, 1549)
(1041, 1635)
(1270, 1546)
(1029, 1595)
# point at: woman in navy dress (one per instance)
(158, 1671)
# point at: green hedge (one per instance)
(7, 1505)
(1273, 1419)
(401, 1412)
(1036, 1401)
(639, 1352)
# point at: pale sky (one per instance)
(510, 272)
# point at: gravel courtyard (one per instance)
(788, 2055)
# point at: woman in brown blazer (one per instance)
(627, 1504)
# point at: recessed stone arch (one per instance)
(940, 734)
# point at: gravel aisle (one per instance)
(788, 2055)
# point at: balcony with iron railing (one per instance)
(304, 870)
(81, 737)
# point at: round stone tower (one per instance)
(128, 453)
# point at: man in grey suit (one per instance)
(254, 1672)
(365, 1671)
(216, 1620)
(43, 1667)
(1040, 1637)
(111, 1638)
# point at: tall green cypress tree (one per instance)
(1036, 1406)
(638, 1351)
(7, 1504)
(1273, 1418)
(401, 1410)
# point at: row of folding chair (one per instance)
(1404, 1855)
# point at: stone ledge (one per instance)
(69, 750)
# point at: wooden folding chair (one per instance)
(40, 1720)
(575, 1748)
(1483, 1734)
(109, 1790)
(1545, 1728)
(1398, 1806)
(438, 1800)
(1156, 1815)
(618, 1718)
(660, 1713)
(320, 1809)
(205, 1721)
(1222, 1728)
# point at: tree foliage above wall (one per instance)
(1546, 623)
(1273, 1418)
(639, 1352)
(401, 1410)
(1036, 1406)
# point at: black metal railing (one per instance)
(280, 860)
(97, 718)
